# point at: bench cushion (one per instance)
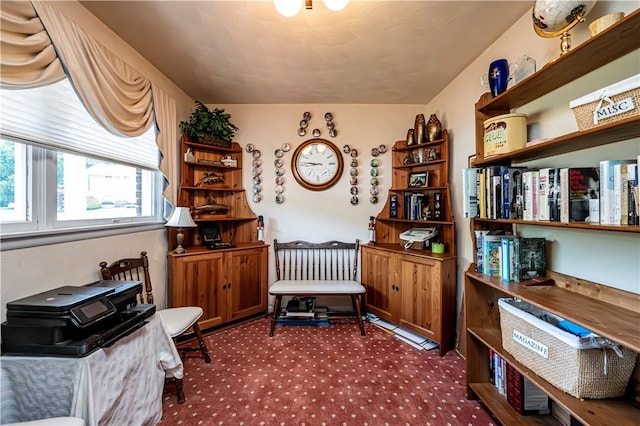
(315, 287)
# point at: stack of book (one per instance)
(525, 397)
(512, 258)
(606, 194)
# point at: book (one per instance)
(482, 199)
(607, 191)
(511, 194)
(506, 258)
(584, 189)
(543, 194)
(529, 258)
(554, 195)
(530, 195)
(632, 196)
(491, 255)
(524, 396)
(564, 195)
(621, 192)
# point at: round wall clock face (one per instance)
(317, 164)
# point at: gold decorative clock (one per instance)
(317, 164)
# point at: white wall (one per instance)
(28, 271)
(606, 257)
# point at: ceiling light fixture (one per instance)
(290, 8)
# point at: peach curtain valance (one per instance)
(116, 95)
(28, 58)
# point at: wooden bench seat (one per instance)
(305, 269)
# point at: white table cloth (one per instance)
(119, 385)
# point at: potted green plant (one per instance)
(209, 127)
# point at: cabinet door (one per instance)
(420, 296)
(198, 281)
(378, 277)
(248, 282)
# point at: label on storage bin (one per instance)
(531, 344)
(612, 109)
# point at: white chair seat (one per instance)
(179, 320)
(316, 287)
(55, 421)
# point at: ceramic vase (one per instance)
(418, 128)
(410, 137)
(433, 128)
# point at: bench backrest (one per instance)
(302, 260)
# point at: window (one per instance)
(60, 171)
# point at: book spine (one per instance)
(482, 195)
(632, 196)
(535, 175)
(466, 196)
(504, 259)
(624, 194)
(564, 195)
(617, 194)
(496, 193)
(543, 195)
(554, 195)
(527, 189)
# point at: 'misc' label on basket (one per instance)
(612, 109)
(531, 344)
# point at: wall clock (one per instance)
(317, 164)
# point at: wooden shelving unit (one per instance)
(415, 289)
(228, 283)
(609, 312)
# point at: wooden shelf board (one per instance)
(500, 407)
(570, 225)
(397, 248)
(214, 218)
(418, 189)
(605, 319)
(211, 188)
(233, 148)
(588, 411)
(401, 146)
(422, 164)
(418, 222)
(602, 135)
(611, 44)
(212, 166)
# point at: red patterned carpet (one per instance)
(321, 376)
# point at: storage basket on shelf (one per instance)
(607, 105)
(584, 367)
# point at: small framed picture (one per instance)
(418, 179)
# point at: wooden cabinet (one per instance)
(415, 289)
(416, 292)
(606, 311)
(228, 284)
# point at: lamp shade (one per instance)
(181, 218)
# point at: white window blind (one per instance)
(54, 117)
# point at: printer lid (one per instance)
(59, 299)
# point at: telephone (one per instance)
(417, 235)
(211, 237)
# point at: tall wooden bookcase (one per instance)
(415, 289)
(229, 283)
(606, 311)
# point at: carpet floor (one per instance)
(321, 376)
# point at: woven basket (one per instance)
(214, 140)
(570, 366)
(585, 107)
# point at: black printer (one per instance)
(74, 321)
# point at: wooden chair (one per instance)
(177, 320)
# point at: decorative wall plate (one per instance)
(278, 162)
(249, 147)
(256, 153)
(279, 198)
(316, 133)
(286, 147)
(278, 153)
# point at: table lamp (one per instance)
(180, 218)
